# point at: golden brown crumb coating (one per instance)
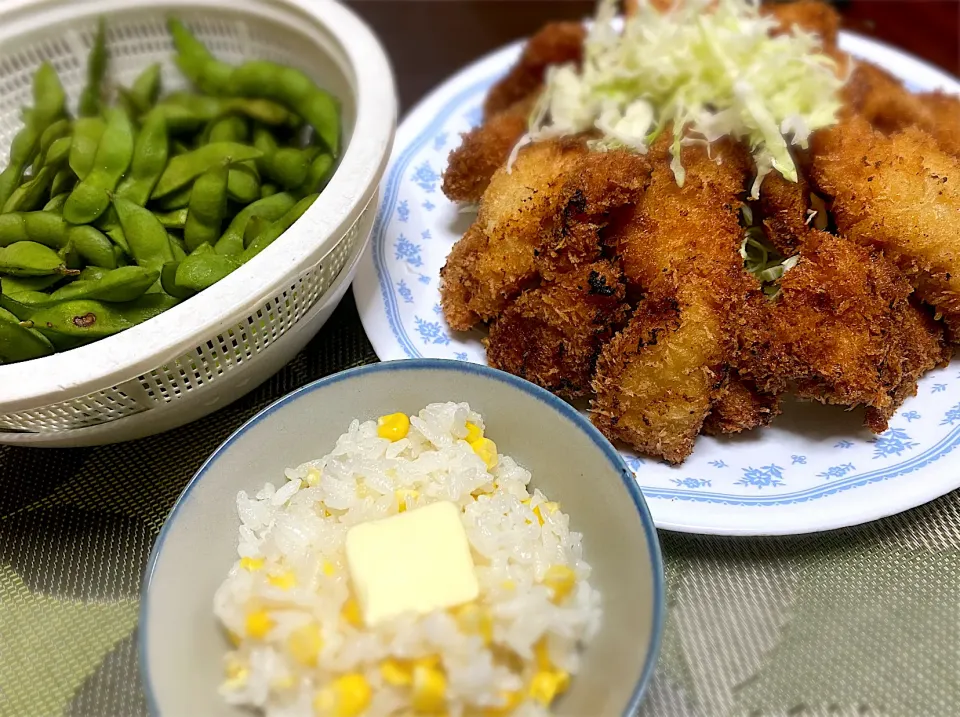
(842, 331)
(556, 43)
(483, 151)
(494, 261)
(900, 194)
(551, 334)
(783, 209)
(657, 380)
(813, 16)
(882, 100)
(739, 407)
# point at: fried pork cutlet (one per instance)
(657, 380)
(507, 108)
(901, 194)
(494, 261)
(882, 100)
(556, 43)
(483, 151)
(842, 331)
(551, 334)
(783, 207)
(814, 16)
(543, 218)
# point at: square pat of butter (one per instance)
(415, 561)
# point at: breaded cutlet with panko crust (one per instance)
(843, 331)
(551, 335)
(657, 380)
(899, 194)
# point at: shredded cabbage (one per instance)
(763, 261)
(710, 67)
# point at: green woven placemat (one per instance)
(856, 622)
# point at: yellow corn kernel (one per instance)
(542, 655)
(550, 507)
(402, 495)
(561, 580)
(398, 673)
(346, 696)
(487, 450)
(475, 620)
(393, 427)
(282, 683)
(236, 672)
(251, 564)
(305, 643)
(351, 613)
(508, 585)
(546, 685)
(258, 624)
(429, 689)
(285, 580)
(329, 569)
(313, 476)
(474, 432)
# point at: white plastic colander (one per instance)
(216, 346)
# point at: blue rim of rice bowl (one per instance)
(557, 404)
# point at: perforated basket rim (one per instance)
(140, 349)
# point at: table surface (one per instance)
(855, 622)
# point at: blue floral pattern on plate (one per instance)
(811, 453)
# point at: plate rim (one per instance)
(373, 297)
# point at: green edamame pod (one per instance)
(289, 166)
(177, 147)
(145, 235)
(57, 130)
(49, 105)
(255, 227)
(180, 120)
(30, 195)
(201, 270)
(47, 228)
(177, 246)
(87, 319)
(243, 183)
(92, 273)
(70, 257)
(178, 200)
(59, 153)
(146, 89)
(87, 132)
(264, 140)
(196, 62)
(319, 174)
(268, 190)
(18, 343)
(208, 205)
(16, 284)
(149, 160)
(91, 96)
(117, 285)
(22, 151)
(63, 183)
(27, 258)
(55, 205)
(272, 232)
(118, 238)
(186, 167)
(173, 220)
(90, 198)
(120, 256)
(168, 281)
(92, 246)
(270, 208)
(228, 129)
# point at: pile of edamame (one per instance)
(112, 216)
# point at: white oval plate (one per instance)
(814, 469)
